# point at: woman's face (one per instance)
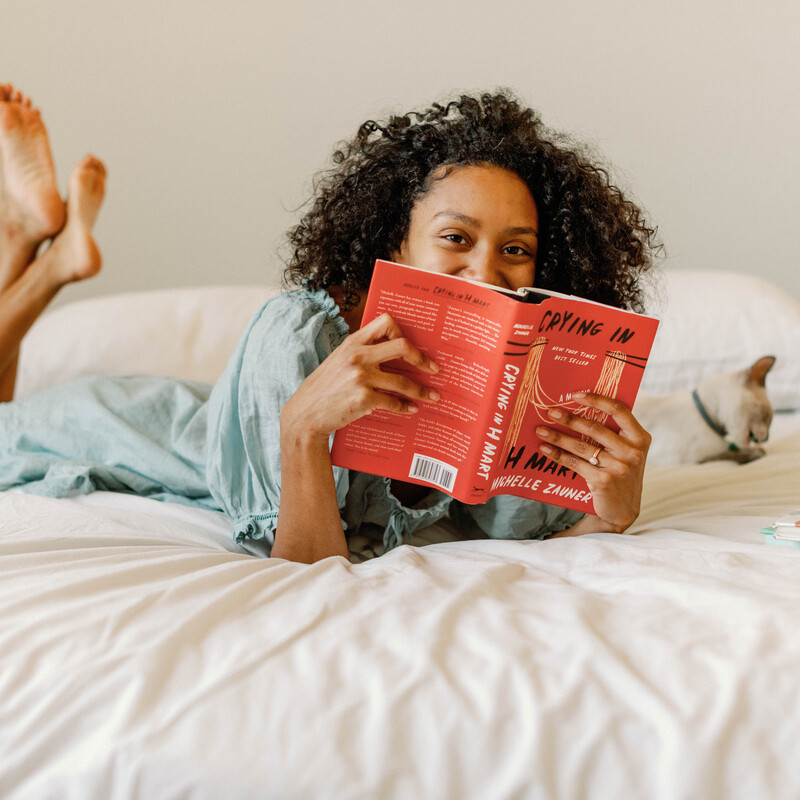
(480, 222)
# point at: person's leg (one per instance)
(72, 256)
(8, 380)
(31, 210)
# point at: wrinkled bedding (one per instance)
(145, 655)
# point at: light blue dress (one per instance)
(218, 448)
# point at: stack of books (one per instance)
(785, 531)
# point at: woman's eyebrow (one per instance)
(467, 220)
(522, 231)
(457, 215)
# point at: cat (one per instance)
(719, 420)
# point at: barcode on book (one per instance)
(436, 472)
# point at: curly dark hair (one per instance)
(592, 241)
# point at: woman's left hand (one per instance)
(615, 481)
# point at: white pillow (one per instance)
(184, 333)
(711, 322)
(716, 321)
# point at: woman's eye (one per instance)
(456, 238)
(516, 250)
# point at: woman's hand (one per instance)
(616, 480)
(350, 382)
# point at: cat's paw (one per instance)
(752, 453)
(740, 455)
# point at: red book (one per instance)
(506, 358)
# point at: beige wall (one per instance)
(212, 117)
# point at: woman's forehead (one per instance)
(476, 192)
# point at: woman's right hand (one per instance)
(350, 383)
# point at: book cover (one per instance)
(505, 359)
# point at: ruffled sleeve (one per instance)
(508, 517)
(284, 343)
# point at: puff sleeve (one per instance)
(284, 343)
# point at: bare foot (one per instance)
(30, 205)
(73, 255)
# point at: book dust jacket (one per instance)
(504, 363)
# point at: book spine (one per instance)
(501, 394)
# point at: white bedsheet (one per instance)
(143, 655)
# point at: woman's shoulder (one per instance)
(300, 314)
(295, 325)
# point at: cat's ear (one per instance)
(759, 370)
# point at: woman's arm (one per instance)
(308, 500)
(346, 386)
(588, 524)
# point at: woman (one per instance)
(476, 188)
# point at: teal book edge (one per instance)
(770, 538)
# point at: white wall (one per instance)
(212, 117)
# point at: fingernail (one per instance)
(543, 432)
(579, 394)
(433, 395)
(412, 409)
(556, 413)
(546, 449)
(433, 365)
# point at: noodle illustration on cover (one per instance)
(506, 359)
(617, 371)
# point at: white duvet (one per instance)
(142, 655)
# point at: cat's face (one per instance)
(756, 413)
(745, 408)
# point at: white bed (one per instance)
(144, 655)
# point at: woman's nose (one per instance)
(484, 267)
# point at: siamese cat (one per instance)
(725, 417)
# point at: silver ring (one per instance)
(593, 458)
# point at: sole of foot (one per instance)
(30, 204)
(74, 255)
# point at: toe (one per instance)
(88, 176)
(92, 164)
(97, 165)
